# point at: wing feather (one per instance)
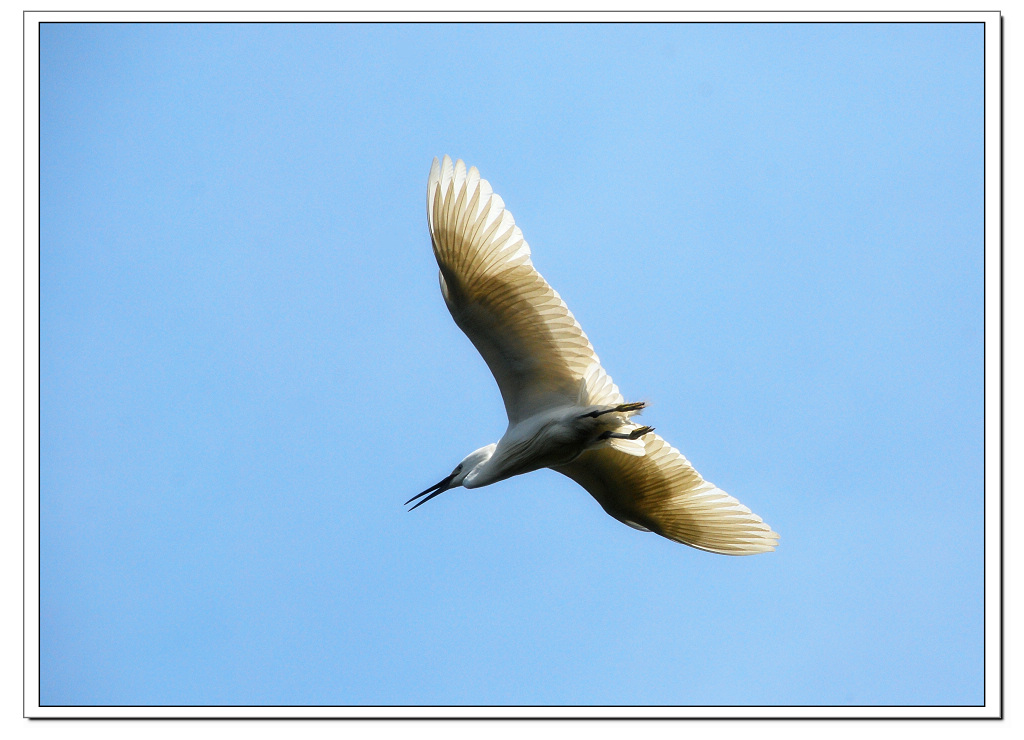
(533, 345)
(660, 491)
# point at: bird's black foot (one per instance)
(635, 434)
(621, 408)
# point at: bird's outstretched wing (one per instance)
(533, 345)
(661, 492)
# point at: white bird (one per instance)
(564, 411)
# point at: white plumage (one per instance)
(564, 411)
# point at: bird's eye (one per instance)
(458, 468)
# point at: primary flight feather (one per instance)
(564, 411)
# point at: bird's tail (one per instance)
(598, 389)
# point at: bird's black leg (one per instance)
(621, 408)
(635, 434)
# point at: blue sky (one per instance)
(772, 233)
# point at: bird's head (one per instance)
(473, 460)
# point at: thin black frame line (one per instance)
(510, 23)
(519, 11)
(525, 719)
(24, 223)
(1002, 524)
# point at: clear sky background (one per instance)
(772, 233)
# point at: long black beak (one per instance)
(435, 489)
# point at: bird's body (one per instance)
(564, 411)
(551, 437)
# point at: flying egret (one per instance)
(564, 411)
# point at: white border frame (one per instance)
(993, 366)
